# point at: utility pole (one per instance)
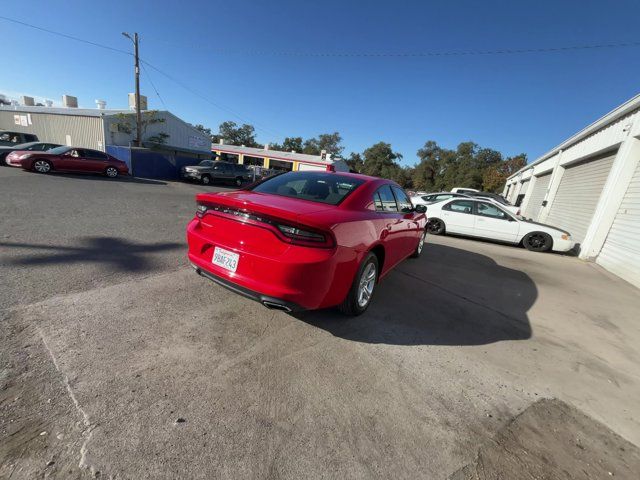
(137, 76)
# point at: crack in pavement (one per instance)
(89, 427)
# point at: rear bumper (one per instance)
(267, 301)
(301, 278)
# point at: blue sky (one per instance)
(513, 103)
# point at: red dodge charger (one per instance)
(306, 240)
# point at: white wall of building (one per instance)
(617, 136)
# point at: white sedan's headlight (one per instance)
(565, 236)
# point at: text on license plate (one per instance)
(225, 259)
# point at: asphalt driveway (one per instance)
(119, 362)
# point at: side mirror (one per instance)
(420, 209)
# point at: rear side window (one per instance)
(95, 155)
(321, 187)
(384, 200)
(461, 206)
(403, 201)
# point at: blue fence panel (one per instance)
(147, 163)
(121, 153)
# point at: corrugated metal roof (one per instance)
(82, 112)
(275, 154)
(618, 112)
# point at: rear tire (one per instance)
(361, 292)
(435, 226)
(418, 251)
(42, 166)
(206, 179)
(537, 242)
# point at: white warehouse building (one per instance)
(589, 185)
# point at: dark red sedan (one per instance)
(306, 240)
(71, 159)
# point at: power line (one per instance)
(215, 104)
(152, 84)
(70, 37)
(444, 53)
(182, 84)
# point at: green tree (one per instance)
(495, 176)
(380, 161)
(233, 134)
(329, 142)
(204, 130)
(289, 144)
(355, 162)
(127, 124)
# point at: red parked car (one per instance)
(306, 240)
(70, 159)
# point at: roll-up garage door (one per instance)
(620, 253)
(539, 190)
(578, 195)
(523, 191)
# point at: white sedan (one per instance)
(430, 198)
(485, 219)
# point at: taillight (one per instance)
(307, 238)
(302, 235)
(201, 210)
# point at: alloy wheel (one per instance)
(537, 242)
(434, 226)
(112, 172)
(42, 166)
(366, 285)
(421, 242)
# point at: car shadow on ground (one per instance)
(115, 253)
(448, 296)
(103, 178)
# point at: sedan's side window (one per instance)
(386, 202)
(487, 210)
(403, 201)
(460, 206)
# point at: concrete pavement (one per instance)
(141, 369)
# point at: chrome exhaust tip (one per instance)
(276, 306)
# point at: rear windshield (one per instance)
(319, 187)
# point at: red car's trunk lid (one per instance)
(250, 237)
(273, 205)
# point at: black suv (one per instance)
(209, 171)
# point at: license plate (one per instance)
(225, 259)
